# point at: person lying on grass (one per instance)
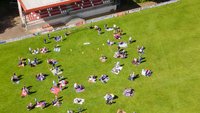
(15, 79)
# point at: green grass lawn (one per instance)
(171, 35)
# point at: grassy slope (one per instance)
(171, 36)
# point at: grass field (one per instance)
(171, 35)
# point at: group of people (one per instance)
(32, 63)
(61, 84)
(25, 91)
(37, 51)
(121, 54)
(38, 104)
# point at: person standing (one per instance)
(45, 40)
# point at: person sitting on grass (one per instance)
(96, 27)
(70, 111)
(132, 76)
(30, 106)
(140, 49)
(22, 62)
(122, 44)
(110, 43)
(41, 104)
(15, 79)
(62, 84)
(25, 91)
(135, 61)
(56, 48)
(130, 40)
(103, 58)
(34, 62)
(35, 51)
(120, 111)
(78, 87)
(56, 70)
(55, 90)
(117, 36)
(56, 102)
(109, 98)
(58, 38)
(52, 62)
(79, 101)
(128, 92)
(99, 31)
(108, 28)
(104, 78)
(146, 72)
(92, 78)
(67, 33)
(121, 54)
(40, 77)
(43, 50)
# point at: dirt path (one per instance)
(11, 28)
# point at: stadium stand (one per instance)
(33, 11)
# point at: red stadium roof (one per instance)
(34, 5)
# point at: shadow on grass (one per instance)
(127, 5)
(20, 77)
